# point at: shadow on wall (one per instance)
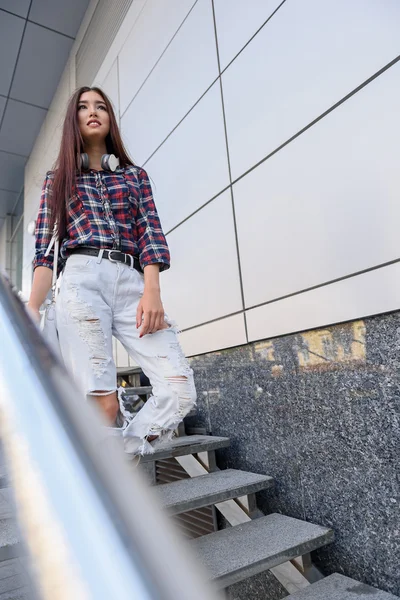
(319, 411)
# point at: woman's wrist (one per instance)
(33, 305)
(151, 287)
(152, 278)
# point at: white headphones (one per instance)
(109, 162)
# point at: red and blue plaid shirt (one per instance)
(108, 210)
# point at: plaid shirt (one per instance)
(108, 210)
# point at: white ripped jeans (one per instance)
(98, 299)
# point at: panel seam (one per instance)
(298, 293)
(230, 173)
(158, 60)
(288, 141)
(322, 116)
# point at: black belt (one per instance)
(112, 255)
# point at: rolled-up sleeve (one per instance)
(43, 234)
(153, 247)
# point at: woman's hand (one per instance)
(150, 312)
(150, 309)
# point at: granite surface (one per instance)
(320, 412)
(338, 587)
(259, 587)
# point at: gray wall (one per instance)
(319, 411)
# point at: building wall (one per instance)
(245, 244)
(281, 213)
(5, 234)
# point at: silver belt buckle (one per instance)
(113, 259)
(110, 257)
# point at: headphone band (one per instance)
(109, 162)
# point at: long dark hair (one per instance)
(68, 162)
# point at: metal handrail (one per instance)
(118, 543)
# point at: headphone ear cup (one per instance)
(84, 161)
(112, 162)
(104, 162)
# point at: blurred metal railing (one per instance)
(90, 524)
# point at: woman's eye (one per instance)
(81, 106)
(102, 107)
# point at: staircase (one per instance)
(250, 543)
(14, 575)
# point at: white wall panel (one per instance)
(183, 74)
(120, 38)
(110, 87)
(306, 58)
(155, 27)
(237, 23)
(31, 207)
(224, 333)
(192, 165)
(34, 171)
(28, 247)
(58, 107)
(203, 283)
(26, 281)
(326, 205)
(104, 37)
(361, 296)
(122, 357)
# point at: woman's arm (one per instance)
(150, 311)
(42, 264)
(40, 288)
(150, 238)
(154, 257)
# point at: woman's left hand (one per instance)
(150, 312)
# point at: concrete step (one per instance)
(10, 546)
(7, 509)
(239, 552)
(14, 581)
(338, 587)
(188, 494)
(3, 477)
(9, 533)
(188, 444)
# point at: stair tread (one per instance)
(3, 471)
(14, 580)
(187, 494)
(247, 549)
(3, 478)
(339, 587)
(10, 546)
(19, 594)
(187, 444)
(9, 533)
(7, 510)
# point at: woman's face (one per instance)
(93, 117)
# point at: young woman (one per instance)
(112, 249)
